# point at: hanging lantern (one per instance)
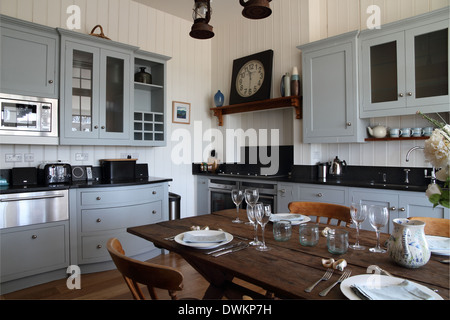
(256, 9)
(201, 16)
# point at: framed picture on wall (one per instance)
(181, 112)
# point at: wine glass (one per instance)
(252, 218)
(262, 214)
(237, 196)
(251, 198)
(358, 212)
(378, 216)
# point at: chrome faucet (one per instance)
(411, 150)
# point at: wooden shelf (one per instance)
(284, 102)
(396, 139)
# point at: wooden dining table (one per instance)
(288, 268)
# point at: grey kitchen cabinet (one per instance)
(287, 192)
(330, 91)
(29, 56)
(202, 195)
(106, 212)
(32, 250)
(404, 66)
(96, 86)
(149, 101)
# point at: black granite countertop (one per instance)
(384, 178)
(82, 184)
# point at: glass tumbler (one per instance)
(309, 235)
(282, 230)
(337, 241)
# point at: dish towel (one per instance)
(202, 238)
(404, 290)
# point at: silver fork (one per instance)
(326, 276)
(344, 276)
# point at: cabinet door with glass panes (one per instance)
(95, 95)
(407, 70)
(149, 100)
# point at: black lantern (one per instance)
(256, 9)
(201, 15)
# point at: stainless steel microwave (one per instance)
(28, 116)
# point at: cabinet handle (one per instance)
(402, 209)
(401, 95)
(283, 191)
(103, 127)
(98, 198)
(154, 211)
(34, 236)
(99, 246)
(154, 192)
(95, 127)
(320, 195)
(50, 81)
(349, 124)
(392, 208)
(99, 220)
(409, 94)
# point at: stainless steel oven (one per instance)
(220, 193)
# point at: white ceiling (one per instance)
(222, 10)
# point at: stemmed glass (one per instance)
(262, 214)
(378, 216)
(237, 196)
(251, 198)
(358, 212)
(252, 218)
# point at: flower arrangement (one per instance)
(437, 152)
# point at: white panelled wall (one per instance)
(189, 72)
(199, 68)
(295, 22)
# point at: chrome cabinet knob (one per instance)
(320, 194)
(95, 127)
(154, 192)
(402, 209)
(392, 208)
(98, 198)
(154, 211)
(99, 246)
(34, 236)
(349, 124)
(103, 127)
(401, 95)
(50, 81)
(98, 220)
(409, 94)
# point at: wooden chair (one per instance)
(435, 226)
(137, 272)
(319, 209)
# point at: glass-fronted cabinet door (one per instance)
(114, 95)
(427, 55)
(96, 95)
(81, 89)
(383, 72)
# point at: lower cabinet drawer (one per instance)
(94, 247)
(121, 197)
(120, 217)
(318, 194)
(33, 251)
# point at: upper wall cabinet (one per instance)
(404, 66)
(96, 86)
(330, 91)
(149, 116)
(29, 58)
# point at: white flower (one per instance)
(437, 149)
(432, 189)
(443, 174)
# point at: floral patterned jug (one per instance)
(407, 245)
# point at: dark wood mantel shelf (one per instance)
(283, 102)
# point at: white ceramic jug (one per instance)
(407, 245)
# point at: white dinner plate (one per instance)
(376, 279)
(294, 218)
(203, 245)
(439, 245)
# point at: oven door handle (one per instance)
(33, 198)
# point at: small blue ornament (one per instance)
(218, 99)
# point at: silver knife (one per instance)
(230, 250)
(225, 248)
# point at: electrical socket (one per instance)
(13, 157)
(29, 157)
(81, 156)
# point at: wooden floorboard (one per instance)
(109, 285)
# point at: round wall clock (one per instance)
(252, 78)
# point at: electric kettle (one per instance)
(337, 167)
